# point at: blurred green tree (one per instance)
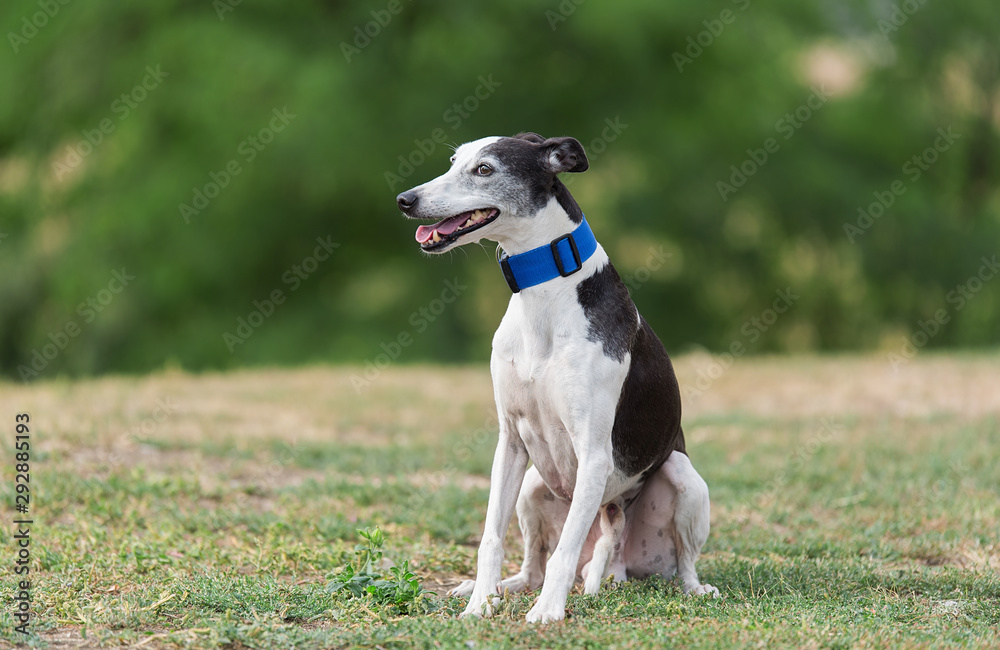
(738, 149)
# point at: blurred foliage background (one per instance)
(861, 87)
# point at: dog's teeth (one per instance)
(436, 237)
(468, 223)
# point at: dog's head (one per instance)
(497, 188)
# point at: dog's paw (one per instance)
(464, 589)
(481, 607)
(704, 590)
(514, 584)
(477, 610)
(543, 613)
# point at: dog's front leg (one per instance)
(560, 573)
(509, 465)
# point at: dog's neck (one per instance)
(544, 290)
(539, 229)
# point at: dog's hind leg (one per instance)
(607, 558)
(540, 516)
(669, 525)
(691, 520)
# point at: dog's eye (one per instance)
(484, 170)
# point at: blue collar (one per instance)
(563, 256)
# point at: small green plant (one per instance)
(398, 590)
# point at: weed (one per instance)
(399, 591)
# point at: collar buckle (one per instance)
(558, 257)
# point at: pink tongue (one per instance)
(445, 227)
(424, 233)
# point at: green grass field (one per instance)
(852, 505)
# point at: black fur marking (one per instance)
(648, 419)
(530, 137)
(610, 310)
(567, 201)
(566, 155)
(523, 161)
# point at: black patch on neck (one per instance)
(610, 311)
(567, 201)
(648, 418)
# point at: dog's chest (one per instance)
(544, 368)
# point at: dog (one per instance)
(584, 389)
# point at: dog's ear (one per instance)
(530, 137)
(564, 155)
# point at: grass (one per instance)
(852, 506)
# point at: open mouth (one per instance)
(448, 230)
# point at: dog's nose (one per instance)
(406, 200)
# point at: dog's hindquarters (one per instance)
(661, 532)
(668, 525)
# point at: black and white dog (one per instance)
(583, 388)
